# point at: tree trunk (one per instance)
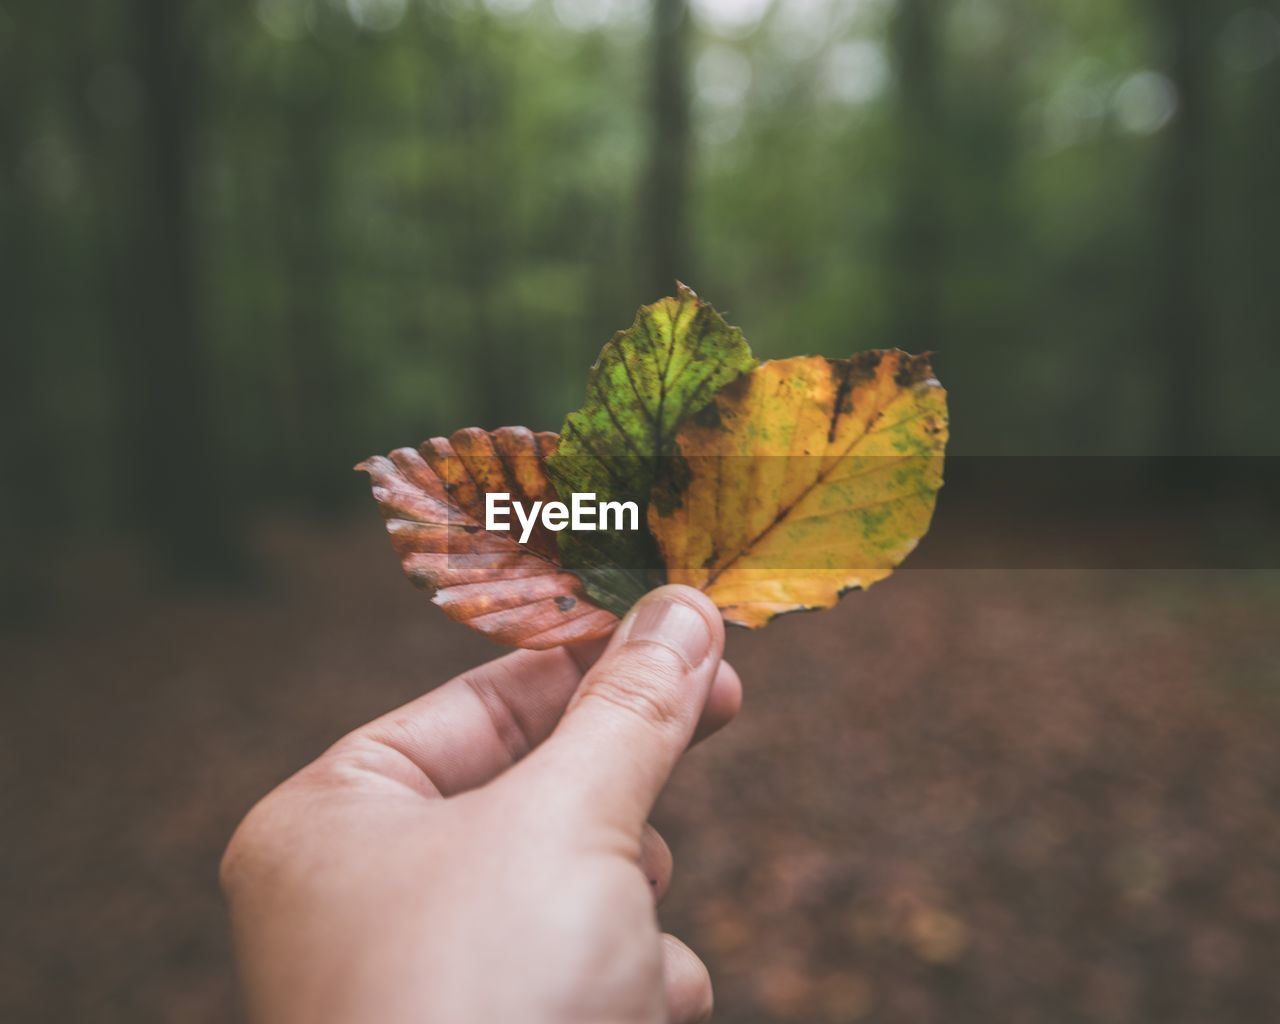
(320, 379)
(169, 449)
(500, 369)
(665, 201)
(915, 255)
(25, 475)
(1181, 321)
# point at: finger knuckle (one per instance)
(644, 685)
(656, 860)
(702, 996)
(706, 1004)
(255, 848)
(228, 868)
(242, 849)
(655, 846)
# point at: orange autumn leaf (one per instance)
(803, 479)
(772, 487)
(432, 500)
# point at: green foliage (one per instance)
(362, 211)
(647, 381)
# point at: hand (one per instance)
(481, 856)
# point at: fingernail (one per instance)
(672, 624)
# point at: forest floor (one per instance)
(963, 796)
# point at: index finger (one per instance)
(636, 710)
(469, 730)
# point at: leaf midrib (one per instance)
(821, 477)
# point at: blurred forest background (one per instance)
(245, 243)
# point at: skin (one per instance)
(482, 853)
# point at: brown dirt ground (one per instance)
(963, 796)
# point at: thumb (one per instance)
(636, 709)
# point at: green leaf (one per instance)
(647, 381)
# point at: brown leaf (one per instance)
(433, 502)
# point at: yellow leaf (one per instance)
(806, 478)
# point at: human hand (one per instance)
(482, 854)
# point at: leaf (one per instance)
(646, 382)
(805, 478)
(433, 502)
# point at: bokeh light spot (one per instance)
(722, 77)
(286, 20)
(1144, 102)
(377, 15)
(733, 19)
(855, 72)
